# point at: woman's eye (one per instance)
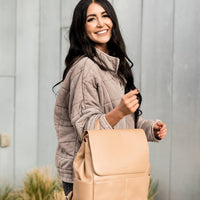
(106, 15)
(90, 19)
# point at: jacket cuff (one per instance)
(104, 123)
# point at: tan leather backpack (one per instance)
(112, 165)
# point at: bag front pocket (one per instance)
(82, 190)
(109, 190)
(137, 188)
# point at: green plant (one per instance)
(153, 189)
(16, 195)
(5, 193)
(40, 185)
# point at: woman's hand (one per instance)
(129, 103)
(160, 130)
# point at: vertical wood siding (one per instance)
(7, 37)
(185, 165)
(130, 22)
(7, 126)
(49, 73)
(7, 91)
(26, 102)
(162, 39)
(156, 81)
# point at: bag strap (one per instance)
(69, 196)
(97, 125)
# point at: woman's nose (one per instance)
(100, 22)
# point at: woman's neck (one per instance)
(103, 48)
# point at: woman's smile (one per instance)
(102, 32)
(98, 26)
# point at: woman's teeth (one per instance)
(101, 32)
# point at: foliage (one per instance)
(5, 193)
(40, 185)
(153, 189)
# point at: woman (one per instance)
(97, 83)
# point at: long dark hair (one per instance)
(81, 45)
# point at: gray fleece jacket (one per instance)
(86, 94)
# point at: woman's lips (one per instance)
(102, 32)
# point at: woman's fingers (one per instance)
(163, 127)
(159, 123)
(131, 93)
(160, 129)
(133, 103)
(135, 107)
(162, 134)
(129, 102)
(130, 97)
(156, 127)
(159, 126)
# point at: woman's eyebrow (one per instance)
(93, 15)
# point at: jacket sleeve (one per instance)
(84, 104)
(147, 126)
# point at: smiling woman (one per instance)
(97, 84)
(98, 26)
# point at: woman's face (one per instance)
(98, 25)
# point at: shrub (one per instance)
(153, 189)
(5, 193)
(40, 185)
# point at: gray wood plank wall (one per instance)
(185, 159)
(156, 81)
(49, 73)
(162, 40)
(26, 86)
(7, 86)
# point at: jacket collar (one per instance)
(111, 61)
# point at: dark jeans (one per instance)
(68, 187)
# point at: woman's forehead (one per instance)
(95, 8)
